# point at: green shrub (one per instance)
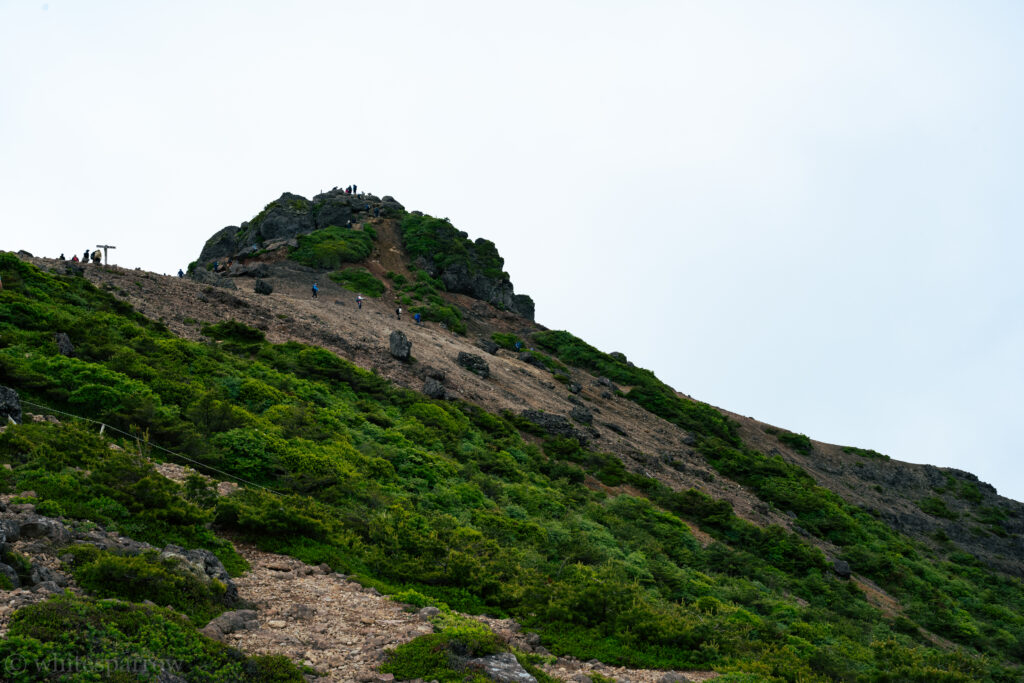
(798, 442)
(147, 577)
(358, 280)
(936, 507)
(127, 641)
(333, 246)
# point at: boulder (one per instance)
(434, 389)
(399, 345)
(502, 667)
(230, 622)
(842, 569)
(553, 424)
(488, 346)
(263, 287)
(208, 277)
(429, 371)
(11, 574)
(64, 345)
(223, 244)
(474, 363)
(10, 405)
(581, 414)
(287, 216)
(10, 530)
(256, 270)
(574, 387)
(532, 359)
(336, 208)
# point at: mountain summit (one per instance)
(345, 399)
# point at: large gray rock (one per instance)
(285, 217)
(64, 345)
(842, 569)
(256, 270)
(263, 287)
(495, 290)
(399, 345)
(11, 574)
(474, 363)
(10, 405)
(202, 275)
(557, 425)
(223, 244)
(204, 564)
(231, 622)
(502, 667)
(336, 208)
(488, 346)
(581, 414)
(434, 389)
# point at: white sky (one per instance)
(806, 212)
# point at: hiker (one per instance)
(416, 318)
(359, 301)
(348, 224)
(97, 256)
(85, 256)
(61, 257)
(398, 312)
(518, 345)
(353, 189)
(181, 273)
(74, 258)
(315, 290)
(376, 212)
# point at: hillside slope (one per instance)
(567, 488)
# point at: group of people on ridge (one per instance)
(97, 257)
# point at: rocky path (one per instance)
(317, 617)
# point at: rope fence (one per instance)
(196, 463)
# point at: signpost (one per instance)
(104, 247)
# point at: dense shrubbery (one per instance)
(70, 638)
(432, 307)
(437, 241)
(333, 246)
(358, 280)
(449, 501)
(147, 577)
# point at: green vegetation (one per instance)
(70, 638)
(333, 246)
(798, 442)
(442, 655)
(147, 577)
(358, 280)
(936, 507)
(437, 241)
(433, 308)
(447, 502)
(648, 390)
(865, 453)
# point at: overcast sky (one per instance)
(805, 212)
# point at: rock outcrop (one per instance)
(474, 363)
(10, 406)
(399, 345)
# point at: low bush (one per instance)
(358, 280)
(332, 247)
(147, 577)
